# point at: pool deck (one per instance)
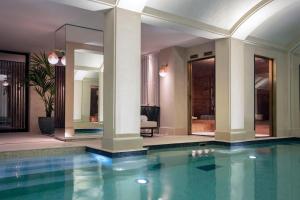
(12, 144)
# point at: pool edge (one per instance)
(223, 143)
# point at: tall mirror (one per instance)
(85, 54)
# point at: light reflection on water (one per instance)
(258, 172)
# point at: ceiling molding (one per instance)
(92, 5)
(190, 23)
(293, 46)
(111, 3)
(248, 14)
(262, 12)
(266, 44)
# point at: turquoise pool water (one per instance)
(261, 172)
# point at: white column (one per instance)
(230, 90)
(122, 51)
(69, 91)
(100, 95)
(294, 63)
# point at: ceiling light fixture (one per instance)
(63, 60)
(55, 56)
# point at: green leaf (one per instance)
(42, 78)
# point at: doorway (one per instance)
(94, 105)
(202, 97)
(263, 96)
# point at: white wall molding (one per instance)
(294, 45)
(260, 15)
(92, 5)
(265, 44)
(247, 15)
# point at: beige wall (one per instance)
(200, 50)
(36, 110)
(173, 89)
(281, 85)
(77, 100)
(295, 108)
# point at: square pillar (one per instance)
(122, 52)
(230, 91)
(69, 91)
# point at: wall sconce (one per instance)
(163, 70)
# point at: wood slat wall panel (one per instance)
(16, 96)
(60, 97)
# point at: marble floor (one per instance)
(10, 142)
(27, 141)
(14, 142)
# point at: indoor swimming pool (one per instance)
(254, 172)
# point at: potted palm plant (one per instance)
(42, 79)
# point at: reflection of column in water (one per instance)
(120, 179)
(266, 186)
(235, 178)
(87, 178)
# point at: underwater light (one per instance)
(142, 181)
(252, 157)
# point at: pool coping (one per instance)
(53, 151)
(137, 152)
(189, 144)
(223, 143)
(118, 154)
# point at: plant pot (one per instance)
(46, 125)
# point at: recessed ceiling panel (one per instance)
(157, 38)
(220, 13)
(282, 28)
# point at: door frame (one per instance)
(190, 89)
(272, 95)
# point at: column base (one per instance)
(123, 142)
(69, 132)
(235, 135)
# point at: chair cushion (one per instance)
(148, 124)
(144, 118)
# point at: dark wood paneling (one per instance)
(203, 88)
(94, 102)
(17, 96)
(59, 111)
